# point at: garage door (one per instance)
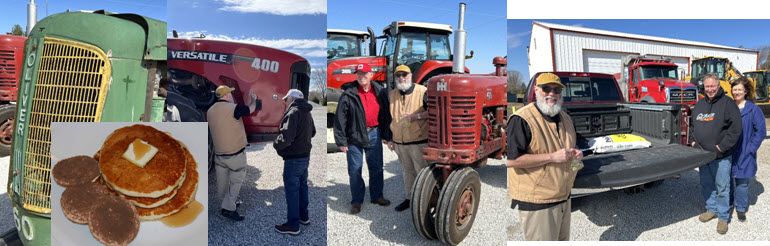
(603, 61)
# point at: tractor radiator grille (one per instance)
(7, 68)
(71, 87)
(452, 121)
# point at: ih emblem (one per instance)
(442, 86)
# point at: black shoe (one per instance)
(233, 215)
(403, 206)
(381, 201)
(742, 216)
(286, 229)
(355, 208)
(305, 221)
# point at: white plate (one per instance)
(70, 139)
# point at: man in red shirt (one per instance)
(361, 126)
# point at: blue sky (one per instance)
(277, 24)
(751, 34)
(484, 22)
(15, 11)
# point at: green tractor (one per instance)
(78, 67)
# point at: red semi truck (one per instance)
(11, 60)
(197, 66)
(654, 79)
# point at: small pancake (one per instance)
(76, 170)
(113, 221)
(78, 201)
(184, 195)
(164, 173)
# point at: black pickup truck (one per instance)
(597, 108)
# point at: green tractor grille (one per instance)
(72, 84)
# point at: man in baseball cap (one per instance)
(361, 127)
(229, 138)
(540, 152)
(293, 145)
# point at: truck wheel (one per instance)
(458, 204)
(7, 115)
(425, 195)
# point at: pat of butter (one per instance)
(140, 152)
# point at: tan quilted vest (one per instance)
(405, 131)
(228, 133)
(551, 182)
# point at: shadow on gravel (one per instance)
(386, 223)
(263, 210)
(648, 211)
(494, 175)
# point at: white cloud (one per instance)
(303, 47)
(282, 7)
(517, 39)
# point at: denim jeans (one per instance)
(295, 186)
(741, 194)
(715, 180)
(373, 162)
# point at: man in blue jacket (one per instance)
(716, 125)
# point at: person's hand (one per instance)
(407, 117)
(344, 149)
(577, 154)
(391, 146)
(561, 155)
(253, 96)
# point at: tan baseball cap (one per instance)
(548, 78)
(403, 68)
(223, 90)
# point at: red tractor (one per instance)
(654, 79)
(11, 60)
(466, 120)
(197, 66)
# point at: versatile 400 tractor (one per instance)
(466, 118)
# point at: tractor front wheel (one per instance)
(425, 195)
(458, 204)
(7, 116)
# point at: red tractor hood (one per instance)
(343, 70)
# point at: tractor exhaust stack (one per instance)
(458, 61)
(31, 15)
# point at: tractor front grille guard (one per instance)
(452, 121)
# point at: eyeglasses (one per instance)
(548, 89)
(401, 74)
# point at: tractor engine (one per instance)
(466, 115)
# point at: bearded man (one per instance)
(408, 108)
(541, 148)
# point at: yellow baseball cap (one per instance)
(403, 68)
(223, 90)
(548, 78)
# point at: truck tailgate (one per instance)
(639, 166)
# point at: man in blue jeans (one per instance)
(716, 127)
(293, 145)
(361, 126)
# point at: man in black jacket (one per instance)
(716, 125)
(293, 145)
(361, 126)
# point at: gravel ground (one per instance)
(665, 212)
(377, 225)
(6, 211)
(264, 203)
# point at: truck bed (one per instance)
(659, 124)
(640, 166)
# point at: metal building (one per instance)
(554, 47)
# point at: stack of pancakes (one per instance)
(112, 195)
(164, 186)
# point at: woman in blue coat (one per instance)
(745, 155)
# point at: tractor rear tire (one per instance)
(458, 204)
(7, 116)
(425, 197)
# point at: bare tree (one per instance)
(516, 82)
(764, 57)
(318, 84)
